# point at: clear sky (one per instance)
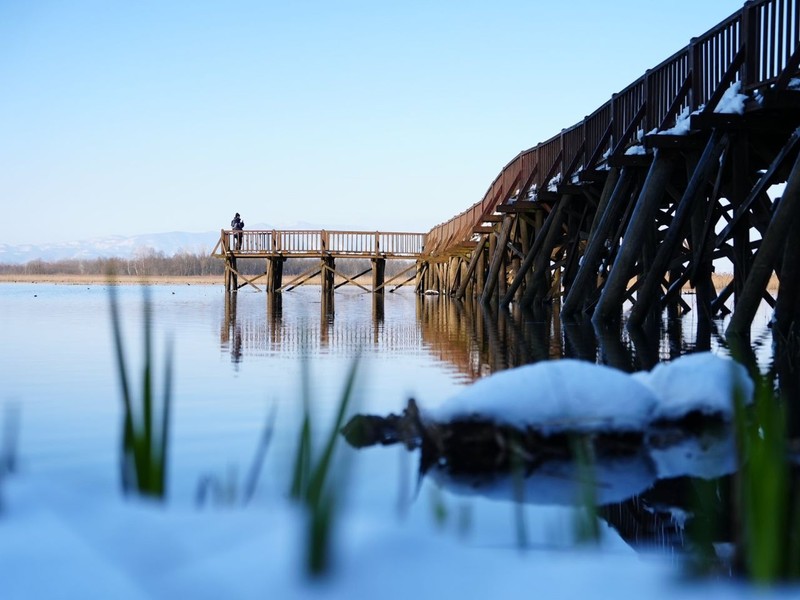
(128, 117)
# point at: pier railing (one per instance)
(300, 243)
(756, 46)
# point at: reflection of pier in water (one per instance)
(479, 339)
(268, 331)
(473, 338)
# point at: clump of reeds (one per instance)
(311, 481)
(586, 523)
(769, 498)
(145, 438)
(759, 508)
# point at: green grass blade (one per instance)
(147, 462)
(128, 458)
(320, 473)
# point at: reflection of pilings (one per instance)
(496, 348)
(535, 323)
(613, 351)
(581, 342)
(378, 301)
(327, 315)
(275, 310)
(645, 342)
(269, 331)
(231, 331)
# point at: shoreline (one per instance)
(216, 280)
(117, 279)
(720, 280)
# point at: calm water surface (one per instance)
(240, 359)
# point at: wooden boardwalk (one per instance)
(639, 199)
(628, 206)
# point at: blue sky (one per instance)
(123, 117)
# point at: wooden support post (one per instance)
(233, 278)
(694, 189)
(742, 256)
(776, 236)
(378, 274)
(326, 274)
(462, 275)
(492, 250)
(542, 227)
(609, 188)
(540, 283)
(469, 277)
(480, 272)
(497, 249)
(453, 273)
(787, 309)
(655, 184)
(419, 273)
(586, 276)
(275, 273)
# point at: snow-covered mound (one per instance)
(702, 382)
(554, 397)
(581, 397)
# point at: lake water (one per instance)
(239, 360)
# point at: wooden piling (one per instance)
(378, 274)
(586, 277)
(771, 246)
(695, 188)
(608, 307)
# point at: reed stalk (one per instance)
(311, 486)
(145, 437)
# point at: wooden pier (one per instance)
(636, 202)
(697, 160)
(275, 247)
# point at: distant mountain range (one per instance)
(120, 246)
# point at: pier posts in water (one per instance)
(641, 221)
(378, 274)
(275, 273)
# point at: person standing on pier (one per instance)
(237, 225)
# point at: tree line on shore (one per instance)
(156, 263)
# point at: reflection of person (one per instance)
(237, 225)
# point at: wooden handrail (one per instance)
(318, 242)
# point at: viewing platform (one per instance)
(276, 246)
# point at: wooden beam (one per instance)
(497, 260)
(641, 219)
(708, 161)
(462, 289)
(767, 255)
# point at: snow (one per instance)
(52, 545)
(637, 150)
(553, 184)
(700, 382)
(58, 541)
(682, 124)
(577, 396)
(554, 396)
(732, 101)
